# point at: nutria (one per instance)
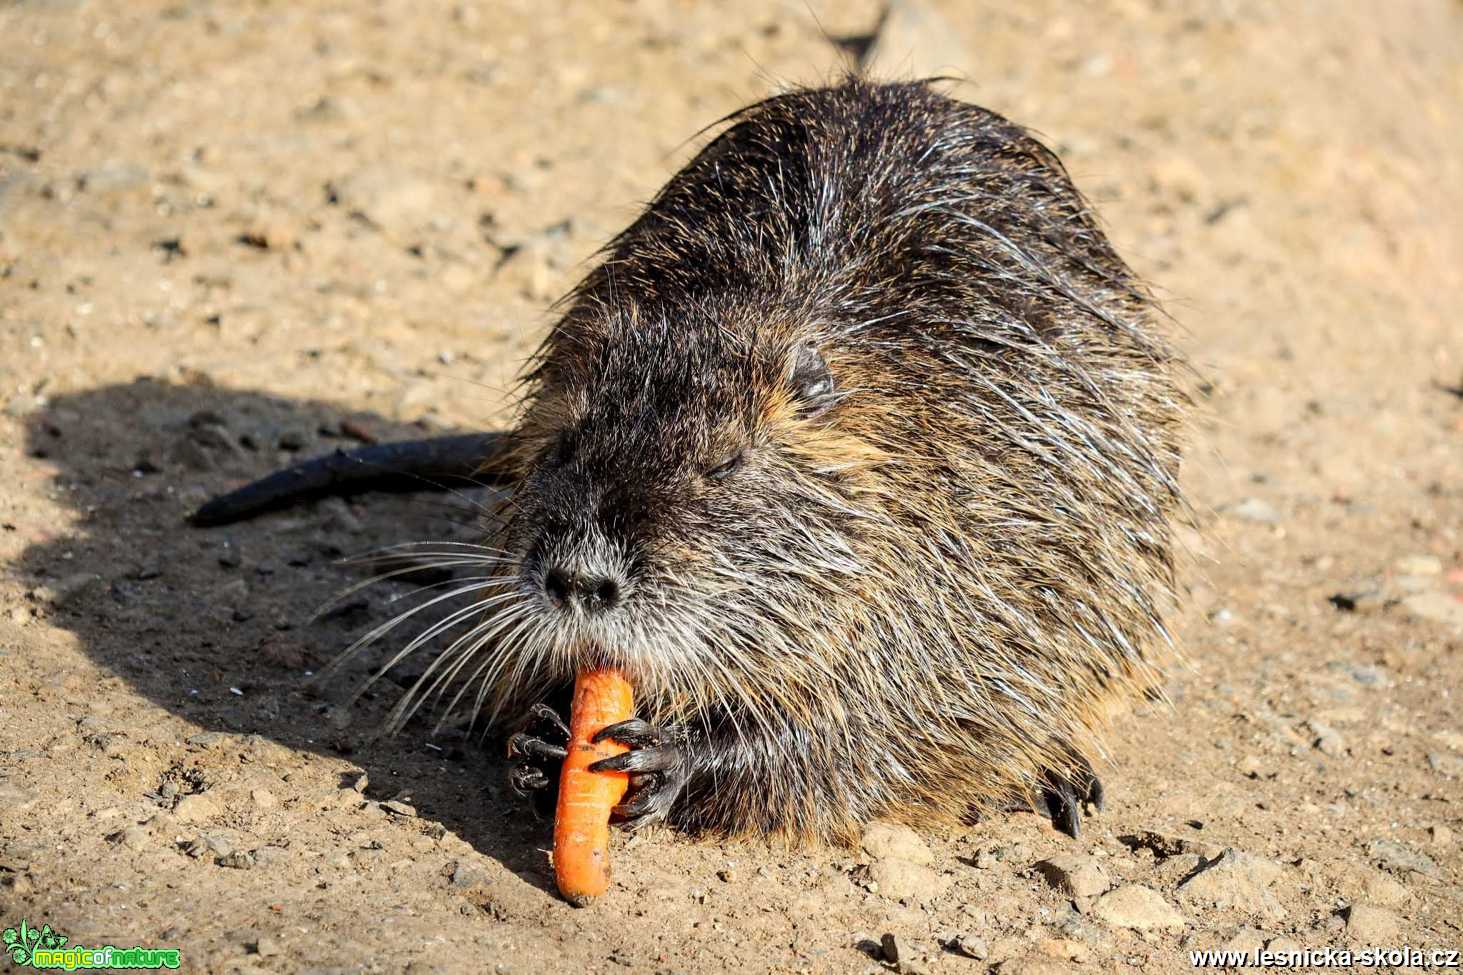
(858, 454)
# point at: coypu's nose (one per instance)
(590, 593)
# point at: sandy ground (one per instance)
(233, 234)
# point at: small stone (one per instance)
(266, 946)
(1283, 945)
(889, 948)
(1137, 907)
(465, 876)
(196, 807)
(1235, 881)
(237, 860)
(726, 876)
(263, 798)
(133, 837)
(1378, 888)
(970, 946)
(1441, 607)
(207, 739)
(1445, 764)
(1245, 941)
(1373, 926)
(904, 881)
(1398, 857)
(1326, 739)
(1440, 835)
(1074, 875)
(360, 782)
(15, 799)
(1255, 509)
(399, 808)
(1419, 565)
(218, 845)
(270, 856)
(913, 39)
(1368, 675)
(884, 841)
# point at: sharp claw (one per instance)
(634, 732)
(525, 745)
(642, 798)
(526, 779)
(661, 758)
(550, 717)
(1064, 796)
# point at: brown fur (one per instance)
(915, 602)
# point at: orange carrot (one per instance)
(582, 821)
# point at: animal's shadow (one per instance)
(215, 625)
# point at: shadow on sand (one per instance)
(215, 624)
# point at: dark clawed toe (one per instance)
(657, 758)
(1064, 794)
(546, 717)
(650, 798)
(634, 732)
(524, 745)
(527, 779)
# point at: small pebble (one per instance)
(1255, 509)
(133, 837)
(884, 841)
(270, 856)
(1326, 739)
(1397, 856)
(1369, 925)
(196, 807)
(1074, 875)
(1445, 764)
(1137, 907)
(1419, 565)
(970, 946)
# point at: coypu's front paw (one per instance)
(538, 755)
(659, 763)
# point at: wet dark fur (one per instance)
(913, 597)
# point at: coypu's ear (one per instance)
(811, 381)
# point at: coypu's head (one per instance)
(685, 496)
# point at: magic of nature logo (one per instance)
(46, 949)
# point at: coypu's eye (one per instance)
(727, 467)
(812, 381)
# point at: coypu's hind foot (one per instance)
(659, 763)
(1063, 796)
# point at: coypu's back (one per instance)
(920, 593)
